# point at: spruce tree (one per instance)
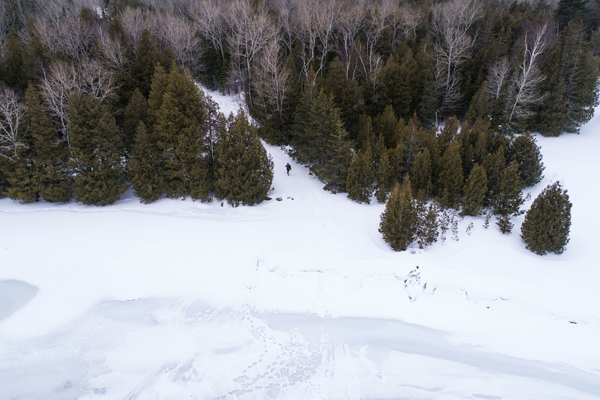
(333, 169)
(383, 178)
(361, 178)
(451, 175)
(49, 154)
(13, 68)
(427, 232)
(135, 112)
(524, 151)
(20, 178)
(475, 191)
(97, 152)
(177, 129)
(480, 106)
(244, 169)
(400, 221)
(508, 200)
(144, 168)
(385, 124)
(421, 173)
(548, 221)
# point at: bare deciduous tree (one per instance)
(348, 27)
(527, 78)
(498, 76)
(134, 21)
(376, 23)
(12, 131)
(113, 51)
(94, 79)
(451, 23)
(179, 34)
(410, 17)
(61, 80)
(272, 80)
(210, 22)
(287, 21)
(307, 33)
(251, 31)
(326, 17)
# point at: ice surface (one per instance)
(14, 295)
(297, 299)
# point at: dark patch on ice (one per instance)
(14, 295)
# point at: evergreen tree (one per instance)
(569, 10)
(361, 177)
(20, 178)
(548, 221)
(386, 124)
(144, 168)
(429, 224)
(383, 178)
(301, 131)
(421, 173)
(143, 66)
(49, 154)
(244, 169)
(135, 112)
(97, 152)
(13, 72)
(400, 221)
(480, 106)
(451, 175)
(509, 199)
(524, 152)
(178, 131)
(475, 191)
(333, 169)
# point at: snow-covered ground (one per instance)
(296, 299)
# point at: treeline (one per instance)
(95, 93)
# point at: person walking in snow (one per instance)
(288, 168)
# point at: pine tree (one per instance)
(244, 169)
(421, 173)
(177, 129)
(548, 221)
(383, 178)
(333, 169)
(144, 168)
(427, 233)
(361, 178)
(97, 152)
(480, 106)
(386, 124)
(49, 154)
(526, 154)
(508, 200)
(13, 68)
(400, 221)
(20, 178)
(135, 112)
(451, 175)
(475, 191)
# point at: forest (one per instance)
(421, 100)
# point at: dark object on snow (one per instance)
(288, 168)
(279, 199)
(268, 198)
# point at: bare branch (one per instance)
(527, 78)
(12, 132)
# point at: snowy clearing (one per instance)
(295, 299)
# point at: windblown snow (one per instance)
(297, 299)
